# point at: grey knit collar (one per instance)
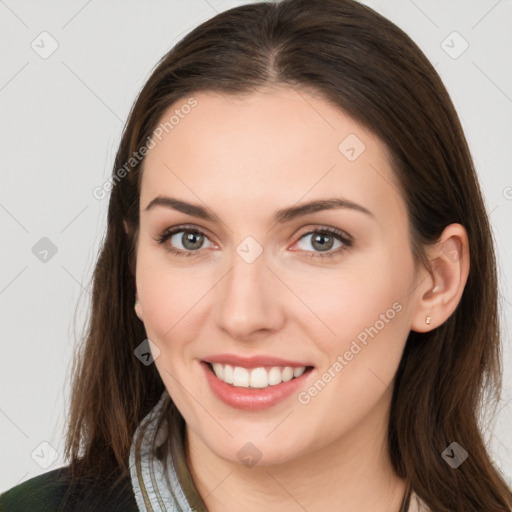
(156, 487)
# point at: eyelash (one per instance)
(336, 233)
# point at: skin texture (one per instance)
(244, 158)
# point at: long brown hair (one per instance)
(369, 68)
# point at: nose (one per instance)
(250, 299)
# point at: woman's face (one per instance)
(254, 283)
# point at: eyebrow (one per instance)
(281, 216)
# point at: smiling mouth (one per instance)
(256, 378)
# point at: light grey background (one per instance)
(61, 120)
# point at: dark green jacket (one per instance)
(50, 492)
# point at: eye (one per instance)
(323, 239)
(190, 239)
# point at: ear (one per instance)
(439, 293)
(138, 307)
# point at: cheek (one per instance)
(360, 327)
(364, 328)
(167, 292)
(341, 305)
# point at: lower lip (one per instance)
(252, 399)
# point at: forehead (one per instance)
(274, 147)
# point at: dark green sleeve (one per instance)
(43, 493)
(50, 492)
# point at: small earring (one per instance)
(434, 290)
(136, 302)
(427, 320)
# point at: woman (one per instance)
(295, 211)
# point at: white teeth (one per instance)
(274, 376)
(287, 373)
(240, 377)
(257, 377)
(219, 370)
(228, 374)
(298, 371)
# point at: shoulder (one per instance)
(41, 493)
(51, 492)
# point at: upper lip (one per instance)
(253, 361)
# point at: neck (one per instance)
(352, 474)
